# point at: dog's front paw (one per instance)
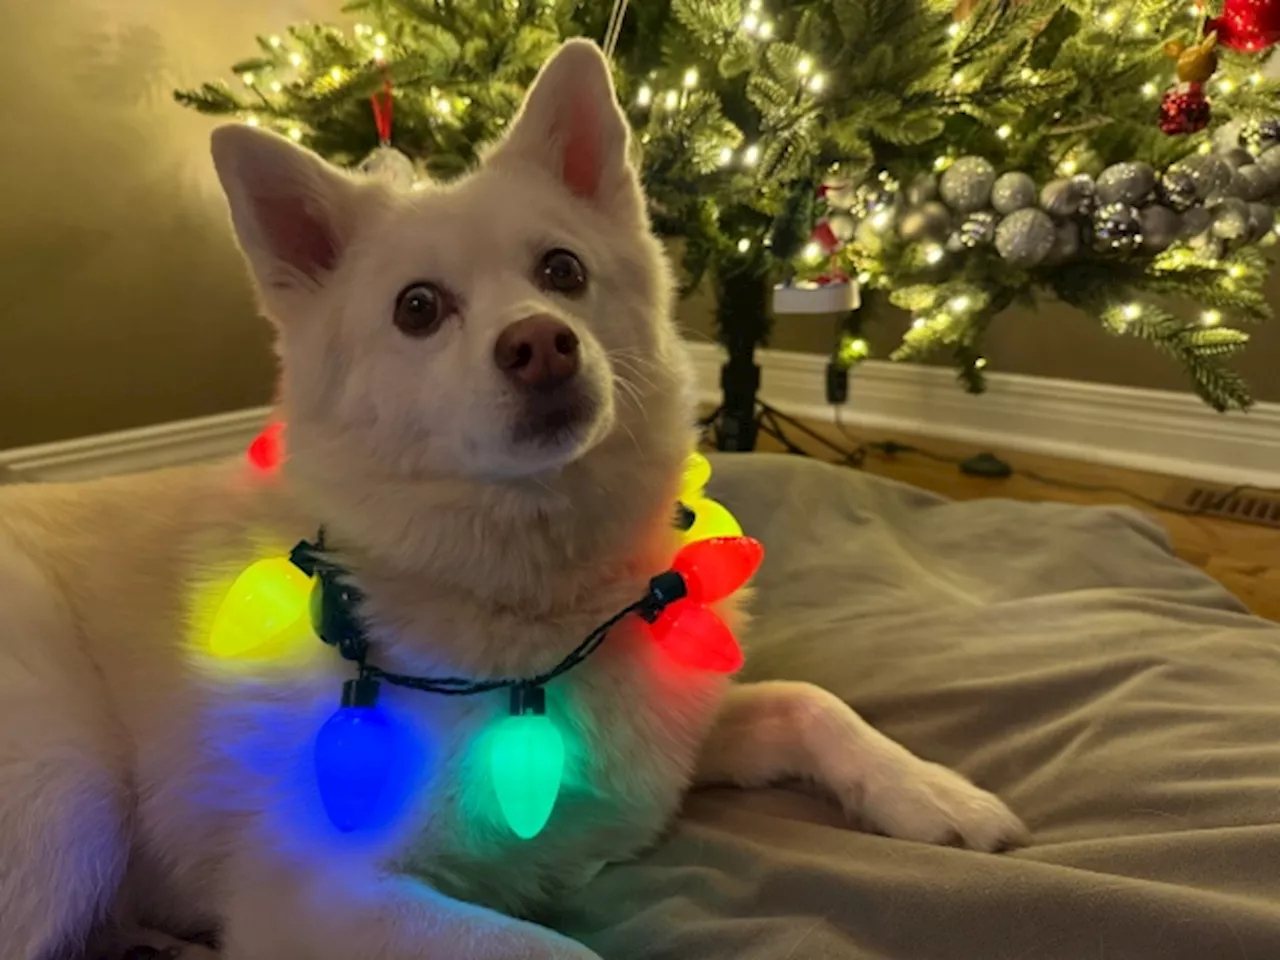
(929, 803)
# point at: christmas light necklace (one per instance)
(280, 600)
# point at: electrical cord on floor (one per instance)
(892, 448)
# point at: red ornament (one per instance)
(825, 237)
(690, 632)
(266, 453)
(1184, 110)
(1248, 25)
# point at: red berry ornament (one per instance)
(1184, 111)
(1248, 25)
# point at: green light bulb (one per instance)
(526, 759)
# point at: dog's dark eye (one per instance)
(562, 272)
(421, 308)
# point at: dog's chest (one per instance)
(631, 723)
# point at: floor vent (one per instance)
(1248, 506)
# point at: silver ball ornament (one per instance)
(390, 166)
(1117, 228)
(1238, 157)
(1211, 174)
(966, 186)
(977, 230)
(1252, 182)
(1160, 228)
(1196, 221)
(1129, 183)
(922, 189)
(1231, 219)
(1176, 190)
(1025, 237)
(1013, 191)
(1066, 243)
(1061, 198)
(929, 221)
(1269, 160)
(1262, 220)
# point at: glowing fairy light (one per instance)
(1131, 311)
(750, 23)
(1110, 19)
(953, 30)
(275, 42)
(644, 96)
(812, 252)
(1237, 271)
(276, 86)
(744, 245)
(671, 100)
(751, 155)
(380, 40)
(1004, 132)
(960, 304)
(803, 66)
(1069, 167)
(1149, 90)
(295, 59)
(690, 78)
(1211, 318)
(295, 134)
(942, 163)
(253, 121)
(980, 363)
(933, 254)
(726, 156)
(1140, 28)
(817, 82)
(918, 323)
(336, 74)
(766, 30)
(248, 78)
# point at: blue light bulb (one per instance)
(355, 757)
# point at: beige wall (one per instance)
(122, 299)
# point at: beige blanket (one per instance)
(1122, 702)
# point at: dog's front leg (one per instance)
(277, 910)
(779, 730)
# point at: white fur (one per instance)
(144, 785)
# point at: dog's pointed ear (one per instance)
(571, 126)
(293, 213)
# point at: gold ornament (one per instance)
(1196, 63)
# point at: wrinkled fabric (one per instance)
(1122, 702)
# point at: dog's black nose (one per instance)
(539, 351)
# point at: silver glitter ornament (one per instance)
(1262, 220)
(1066, 243)
(1088, 194)
(1252, 182)
(929, 221)
(1013, 191)
(1061, 198)
(1259, 135)
(1269, 161)
(922, 189)
(1129, 183)
(1211, 174)
(966, 186)
(1231, 219)
(1238, 157)
(1209, 246)
(1160, 228)
(1176, 190)
(1196, 221)
(1116, 228)
(1025, 237)
(977, 230)
(390, 166)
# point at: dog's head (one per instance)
(491, 329)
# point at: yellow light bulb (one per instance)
(697, 472)
(276, 86)
(812, 252)
(1132, 311)
(750, 22)
(751, 155)
(670, 99)
(817, 82)
(803, 66)
(335, 74)
(933, 254)
(267, 608)
(1004, 132)
(710, 519)
(275, 41)
(726, 156)
(644, 96)
(295, 59)
(380, 40)
(253, 121)
(248, 79)
(953, 30)
(1211, 318)
(1149, 90)
(766, 30)
(295, 134)
(691, 78)
(744, 245)
(980, 363)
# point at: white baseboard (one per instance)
(1152, 430)
(129, 451)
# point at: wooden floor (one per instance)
(1245, 558)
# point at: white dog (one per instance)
(488, 410)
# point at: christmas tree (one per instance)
(954, 156)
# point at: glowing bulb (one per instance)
(864, 277)
(690, 78)
(697, 472)
(941, 163)
(1236, 271)
(266, 610)
(881, 219)
(356, 758)
(275, 41)
(1227, 86)
(804, 65)
(644, 96)
(253, 121)
(918, 323)
(444, 106)
(750, 22)
(957, 78)
(980, 363)
(817, 82)
(751, 155)
(1255, 79)
(276, 86)
(526, 761)
(1205, 148)
(379, 55)
(717, 568)
(1004, 132)
(754, 6)
(1069, 167)
(671, 99)
(295, 134)
(362, 28)
(1193, 10)
(933, 254)
(726, 156)
(1211, 318)
(1140, 28)
(380, 40)
(710, 519)
(248, 79)
(812, 252)
(744, 245)
(1149, 90)
(1110, 18)
(953, 30)
(1132, 311)
(695, 637)
(335, 74)
(960, 304)
(295, 59)
(766, 30)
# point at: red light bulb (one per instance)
(717, 568)
(267, 450)
(696, 638)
